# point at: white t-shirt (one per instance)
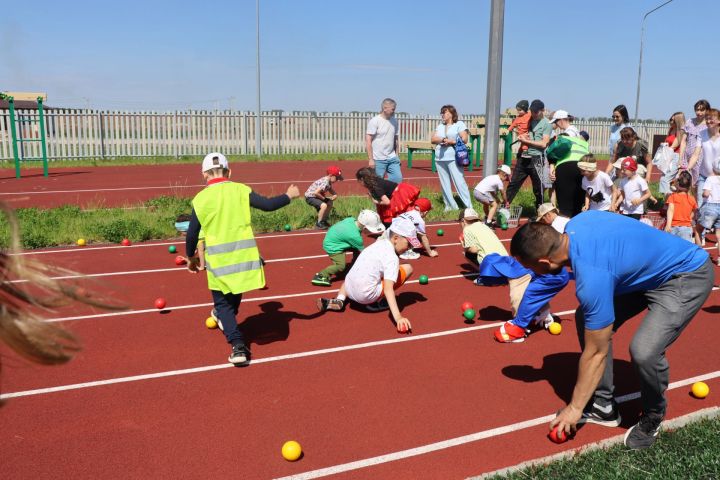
(383, 132)
(363, 283)
(560, 223)
(490, 185)
(571, 131)
(711, 154)
(601, 183)
(633, 188)
(712, 184)
(415, 217)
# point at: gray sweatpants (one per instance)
(670, 307)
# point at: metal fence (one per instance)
(77, 134)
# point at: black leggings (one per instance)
(568, 189)
(524, 167)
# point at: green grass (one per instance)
(691, 452)
(155, 219)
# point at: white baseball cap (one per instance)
(506, 169)
(546, 208)
(405, 228)
(559, 115)
(214, 160)
(371, 221)
(470, 214)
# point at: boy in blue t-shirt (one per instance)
(621, 268)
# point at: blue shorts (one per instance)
(710, 215)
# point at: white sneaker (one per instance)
(217, 320)
(544, 318)
(410, 255)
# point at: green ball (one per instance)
(287, 227)
(424, 279)
(440, 232)
(469, 314)
(172, 249)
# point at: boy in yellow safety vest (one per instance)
(232, 260)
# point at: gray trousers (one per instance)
(670, 307)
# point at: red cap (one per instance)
(423, 204)
(629, 163)
(333, 170)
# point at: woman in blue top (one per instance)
(621, 119)
(445, 138)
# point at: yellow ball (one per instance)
(555, 328)
(210, 323)
(81, 242)
(291, 450)
(700, 389)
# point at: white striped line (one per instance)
(474, 437)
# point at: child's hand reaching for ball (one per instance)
(403, 325)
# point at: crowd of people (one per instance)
(577, 228)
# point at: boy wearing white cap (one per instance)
(232, 260)
(346, 236)
(477, 239)
(598, 186)
(376, 274)
(491, 192)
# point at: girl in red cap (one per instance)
(321, 195)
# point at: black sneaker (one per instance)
(320, 280)
(643, 434)
(605, 415)
(322, 226)
(379, 306)
(240, 355)
(325, 304)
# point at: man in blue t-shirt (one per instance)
(621, 268)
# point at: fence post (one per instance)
(279, 132)
(176, 133)
(102, 135)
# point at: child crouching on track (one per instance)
(233, 264)
(478, 239)
(321, 195)
(346, 236)
(490, 192)
(416, 214)
(377, 273)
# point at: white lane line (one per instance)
(244, 300)
(473, 437)
(291, 356)
(181, 243)
(178, 186)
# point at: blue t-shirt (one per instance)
(612, 255)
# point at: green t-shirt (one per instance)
(344, 235)
(538, 129)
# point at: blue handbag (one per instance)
(462, 156)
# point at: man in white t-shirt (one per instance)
(381, 142)
(632, 191)
(491, 192)
(377, 273)
(598, 185)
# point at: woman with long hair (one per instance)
(620, 119)
(390, 198)
(673, 139)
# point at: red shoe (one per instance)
(509, 333)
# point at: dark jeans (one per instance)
(670, 307)
(524, 167)
(568, 189)
(227, 306)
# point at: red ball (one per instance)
(402, 328)
(125, 242)
(465, 306)
(180, 260)
(557, 436)
(160, 303)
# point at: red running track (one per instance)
(151, 394)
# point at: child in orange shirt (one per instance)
(521, 123)
(681, 209)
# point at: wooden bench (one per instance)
(422, 147)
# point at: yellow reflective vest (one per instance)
(232, 258)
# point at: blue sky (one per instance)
(581, 56)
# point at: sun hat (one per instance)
(423, 204)
(214, 160)
(587, 166)
(371, 221)
(505, 169)
(629, 163)
(333, 170)
(405, 228)
(470, 214)
(546, 208)
(560, 115)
